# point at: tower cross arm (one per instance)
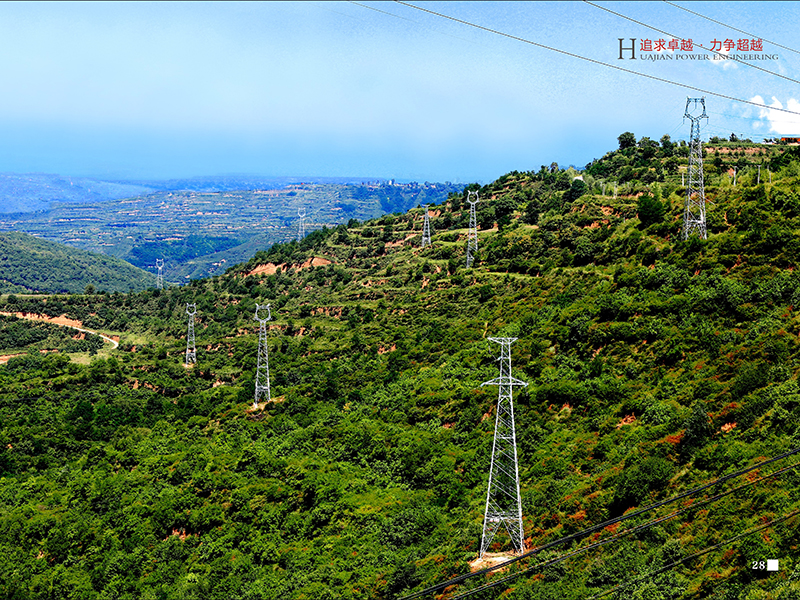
(260, 307)
(505, 381)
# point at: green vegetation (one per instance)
(17, 335)
(29, 264)
(654, 365)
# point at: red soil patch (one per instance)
(272, 268)
(626, 421)
(727, 150)
(490, 559)
(62, 320)
(596, 224)
(675, 439)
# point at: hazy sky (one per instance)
(165, 90)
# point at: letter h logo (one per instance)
(632, 48)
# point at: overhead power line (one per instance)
(699, 553)
(625, 533)
(600, 526)
(744, 62)
(752, 35)
(591, 60)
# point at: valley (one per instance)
(200, 234)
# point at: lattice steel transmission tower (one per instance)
(472, 236)
(426, 228)
(503, 501)
(262, 369)
(191, 350)
(694, 217)
(160, 276)
(301, 225)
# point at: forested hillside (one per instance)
(654, 365)
(29, 264)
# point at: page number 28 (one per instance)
(765, 565)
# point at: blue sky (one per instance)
(162, 90)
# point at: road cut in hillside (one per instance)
(63, 321)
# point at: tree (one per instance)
(532, 211)
(650, 210)
(667, 145)
(647, 147)
(626, 140)
(653, 473)
(485, 217)
(671, 165)
(503, 210)
(576, 190)
(563, 181)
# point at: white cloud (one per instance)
(719, 61)
(779, 121)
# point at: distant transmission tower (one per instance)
(503, 502)
(694, 217)
(160, 276)
(426, 228)
(191, 351)
(262, 370)
(472, 236)
(301, 226)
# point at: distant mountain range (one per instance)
(32, 192)
(227, 183)
(35, 192)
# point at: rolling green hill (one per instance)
(654, 365)
(29, 264)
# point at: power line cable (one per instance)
(696, 554)
(382, 11)
(600, 526)
(677, 127)
(622, 534)
(591, 60)
(385, 12)
(717, 52)
(752, 35)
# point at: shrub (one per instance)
(636, 483)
